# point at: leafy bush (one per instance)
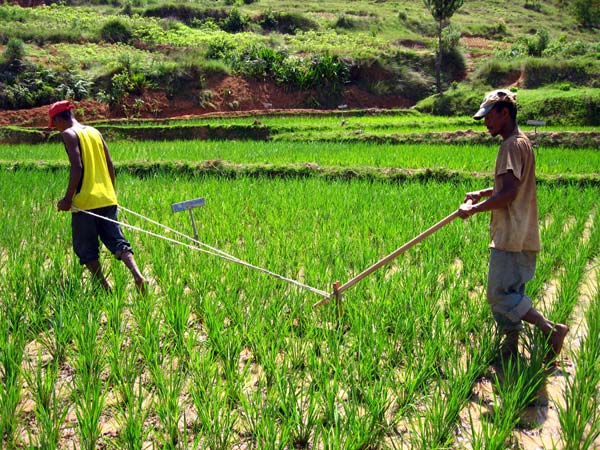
(346, 22)
(566, 47)
(257, 61)
(14, 53)
(115, 31)
(286, 23)
(587, 12)
(186, 13)
(450, 37)
(454, 65)
(496, 71)
(578, 71)
(235, 22)
(220, 47)
(35, 86)
(461, 101)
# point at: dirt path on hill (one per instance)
(226, 96)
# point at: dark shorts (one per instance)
(87, 229)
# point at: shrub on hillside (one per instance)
(345, 22)
(257, 61)
(186, 13)
(286, 23)
(566, 47)
(496, 72)
(14, 54)
(413, 85)
(35, 86)
(581, 109)
(454, 65)
(235, 22)
(587, 12)
(578, 71)
(115, 31)
(461, 101)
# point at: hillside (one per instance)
(150, 59)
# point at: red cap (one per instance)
(57, 108)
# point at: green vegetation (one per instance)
(461, 158)
(384, 49)
(222, 355)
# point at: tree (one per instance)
(587, 12)
(14, 54)
(441, 10)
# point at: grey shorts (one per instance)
(508, 273)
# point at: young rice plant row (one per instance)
(217, 355)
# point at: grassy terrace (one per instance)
(406, 121)
(464, 158)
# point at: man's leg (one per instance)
(554, 332)
(96, 270)
(504, 297)
(86, 246)
(129, 261)
(112, 236)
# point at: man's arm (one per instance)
(475, 196)
(72, 145)
(508, 192)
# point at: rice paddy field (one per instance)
(220, 356)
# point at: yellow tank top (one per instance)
(96, 188)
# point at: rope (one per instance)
(212, 251)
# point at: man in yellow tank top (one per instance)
(514, 230)
(91, 188)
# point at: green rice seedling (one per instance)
(579, 415)
(176, 313)
(263, 428)
(265, 348)
(148, 336)
(88, 393)
(12, 344)
(435, 428)
(297, 408)
(168, 382)
(216, 422)
(132, 417)
(365, 416)
(515, 392)
(125, 378)
(50, 411)
(226, 343)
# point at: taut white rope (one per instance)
(212, 251)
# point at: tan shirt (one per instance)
(514, 228)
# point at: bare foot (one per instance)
(140, 284)
(557, 338)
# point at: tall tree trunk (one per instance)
(438, 60)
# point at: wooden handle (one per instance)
(390, 257)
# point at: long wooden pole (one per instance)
(388, 258)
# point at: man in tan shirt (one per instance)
(515, 238)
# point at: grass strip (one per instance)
(229, 170)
